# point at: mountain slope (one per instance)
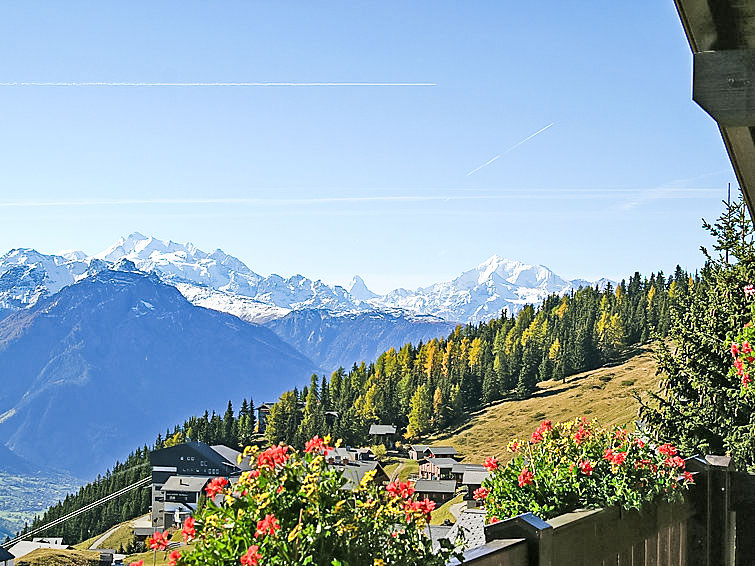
(606, 394)
(112, 360)
(340, 340)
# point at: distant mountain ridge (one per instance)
(105, 363)
(222, 282)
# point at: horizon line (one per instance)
(212, 84)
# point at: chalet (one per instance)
(353, 472)
(383, 434)
(472, 480)
(441, 452)
(437, 468)
(417, 451)
(438, 491)
(262, 413)
(345, 455)
(179, 474)
(460, 469)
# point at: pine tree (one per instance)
(698, 406)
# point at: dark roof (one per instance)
(717, 31)
(167, 456)
(441, 450)
(353, 472)
(382, 429)
(265, 405)
(419, 447)
(185, 484)
(435, 486)
(442, 463)
(232, 457)
(5, 555)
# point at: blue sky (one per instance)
(329, 181)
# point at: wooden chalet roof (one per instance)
(435, 486)
(442, 463)
(721, 34)
(382, 429)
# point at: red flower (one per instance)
(317, 444)
(621, 434)
(494, 519)
(272, 457)
(173, 558)
(639, 442)
(746, 348)
(674, 462)
(267, 526)
(251, 557)
(536, 436)
(608, 455)
(618, 458)
(513, 446)
(159, 541)
(739, 364)
(140, 563)
(188, 531)
(403, 490)
(425, 507)
(586, 467)
(481, 493)
(490, 464)
(581, 434)
(746, 379)
(734, 349)
(749, 290)
(525, 477)
(215, 486)
(546, 425)
(688, 477)
(667, 450)
(644, 463)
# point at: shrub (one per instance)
(292, 508)
(577, 464)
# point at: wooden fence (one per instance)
(715, 526)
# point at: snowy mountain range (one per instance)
(222, 282)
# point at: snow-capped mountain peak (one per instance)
(358, 289)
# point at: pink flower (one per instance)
(403, 490)
(251, 557)
(140, 563)
(667, 450)
(526, 477)
(266, 526)
(272, 457)
(215, 486)
(188, 531)
(734, 349)
(481, 493)
(317, 444)
(173, 558)
(746, 348)
(159, 541)
(749, 290)
(490, 464)
(586, 467)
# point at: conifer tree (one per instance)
(699, 407)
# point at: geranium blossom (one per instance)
(251, 557)
(188, 531)
(490, 464)
(481, 493)
(317, 444)
(525, 477)
(585, 467)
(159, 541)
(173, 558)
(403, 490)
(215, 486)
(272, 457)
(267, 526)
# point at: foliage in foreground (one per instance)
(700, 406)
(292, 508)
(578, 464)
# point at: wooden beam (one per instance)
(724, 85)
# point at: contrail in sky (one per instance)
(91, 84)
(513, 147)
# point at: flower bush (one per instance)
(292, 508)
(742, 350)
(578, 464)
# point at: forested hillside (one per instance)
(424, 388)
